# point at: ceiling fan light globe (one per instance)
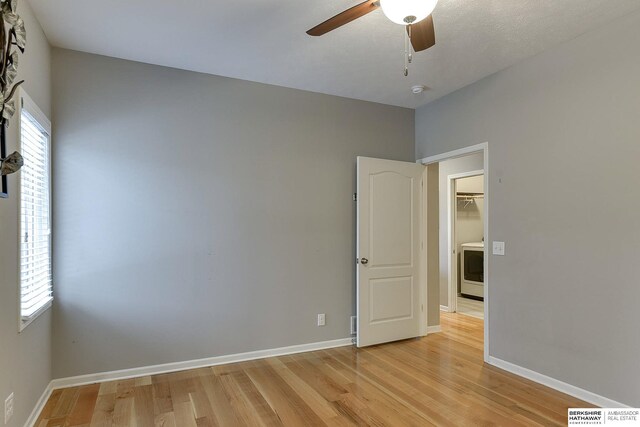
(398, 10)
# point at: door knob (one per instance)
(364, 261)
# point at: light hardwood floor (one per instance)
(471, 307)
(436, 380)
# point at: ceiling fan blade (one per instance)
(423, 35)
(344, 18)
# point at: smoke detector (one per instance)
(418, 89)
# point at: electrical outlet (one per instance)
(498, 248)
(354, 325)
(8, 409)
(321, 319)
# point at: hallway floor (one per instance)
(471, 307)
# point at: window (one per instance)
(35, 213)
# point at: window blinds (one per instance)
(35, 219)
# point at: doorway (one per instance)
(465, 243)
(397, 247)
(448, 259)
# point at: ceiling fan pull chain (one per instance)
(410, 50)
(406, 54)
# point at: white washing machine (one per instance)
(472, 270)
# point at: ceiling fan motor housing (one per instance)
(405, 12)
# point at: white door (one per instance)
(388, 250)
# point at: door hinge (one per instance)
(422, 307)
(355, 197)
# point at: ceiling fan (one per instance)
(415, 15)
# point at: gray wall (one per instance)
(472, 162)
(564, 144)
(199, 216)
(25, 358)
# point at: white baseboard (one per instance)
(444, 308)
(434, 329)
(193, 364)
(563, 387)
(33, 417)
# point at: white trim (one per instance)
(452, 285)
(33, 417)
(26, 321)
(35, 111)
(193, 364)
(434, 329)
(484, 148)
(453, 154)
(487, 324)
(555, 384)
(444, 308)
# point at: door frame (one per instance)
(451, 236)
(478, 148)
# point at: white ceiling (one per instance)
(265, 40)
